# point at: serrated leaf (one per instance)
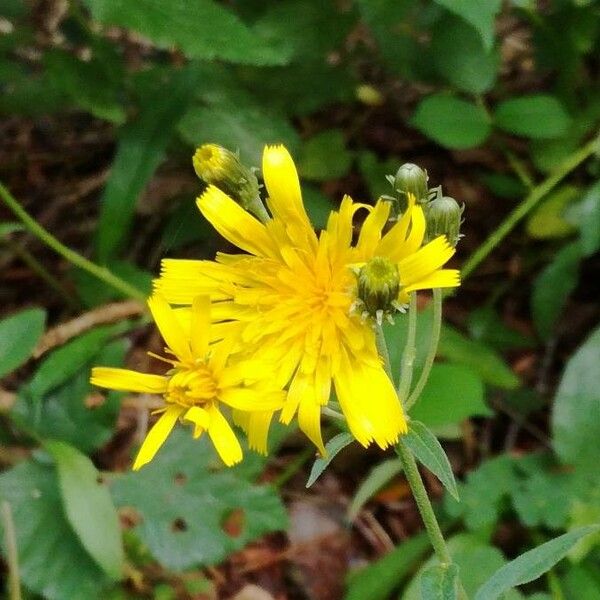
(379, 579)
(440, 582)
(427, 449)
(532, 564)
(140, 150)
(481, 15)
(576, 412)
(552, 288)
(19, 335)
(201, 29)
(537, 116)
(185, 499)
(379, 476)
(89, 508)
(452, 122)
(52, 561)
(334, 446)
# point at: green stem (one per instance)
(382, 349)
(527, 205)
(73, 257)
(257, 208)
(436, 328)
(12, 556)
(408, 356)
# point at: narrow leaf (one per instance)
(89, 508)
(427, 449)
(333, 447)
(439, 582)
(19, 334)
(376, 479)
(532, 564)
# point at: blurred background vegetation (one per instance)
(102, 103)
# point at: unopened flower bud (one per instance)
(411, 179)
(378, 286)
(444, 217)
(222, 168)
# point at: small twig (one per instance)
(12, 556)
(109, 313)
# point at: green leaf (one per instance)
(378, 477)
(481, 15)
(532, 564)
(374, 173)
(52, 560)
(476, 561)
(245, 128)
(334, 446)
(63, 412)
(440, 582)
(201, 29)
(581, 583)
(460, 58)
(185, 497)
(19, 335)
(452, 122)
(452, 394)
(427, 449)
(576, 412)
(552, 288)
(480, 358)
(587, 217)
(379, 579)
(7, 227)
(318, 206)
(536, 116)
(548, 221)
(324, 156)
(89, 508)
(185, 225)
(140, 150)
(486, 326)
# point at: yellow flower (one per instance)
(199, 380)
(292, 297)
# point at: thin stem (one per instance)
(382, 349)
(527, 205)
(408, 356)
(12, 556)
(73, 257)
(436, 328)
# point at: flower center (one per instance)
(193, 385)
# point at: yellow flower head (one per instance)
(200, 379)
(293, 296)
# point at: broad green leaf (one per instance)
(379, 579)
(140, 150)
(246, 128)
(52, 560)
(89, 508)
(481, 15)
(440, 582)
(334, 446)
(325, 156)
(536, 116)
(427, 449)
(476, 561)
(201, 29)
(19, 335)
(585, 512)
(378, 477)
(532, 564)
(576, 413)
(504, 186)
(318, 206)
(548, 219)
(64, 413)
(31, 94)
(581, 582)
(185, 497)
(452, 122)
(374, 173)
(486, 326)
(185, 225)
(586, 214)
(552, 288)
(455, 347)
(460, 58)
(452, 394)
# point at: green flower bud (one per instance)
(444, 217)
(411, 179)
(222, 168)
(378, 286)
